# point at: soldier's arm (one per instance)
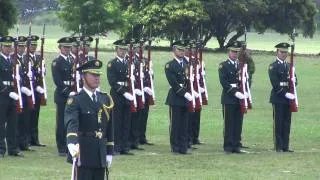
(275, 81)
(57, 79)
(109, 129)
(172, 79)
(71, 120)
(226, 85)
(112, 78)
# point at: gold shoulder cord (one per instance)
(106, 107)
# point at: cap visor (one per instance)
(93, 71)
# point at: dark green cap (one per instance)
(92, 66)
(282, 46)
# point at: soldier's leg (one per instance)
(23, 128)
(60, 129)
(286, 127)
(228, 111)
(11, 135)
(277, 126)
(84, 173)
(117, 116)
(174, 128)
(126, 124)
(144, 120)
(34, 121)
(98, 174)
(238, 121)
(134, 129)
(3, 120)
(183, 130)
(196, 127)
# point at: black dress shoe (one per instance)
(288, 150)
(26, 149)
(136, 147)
(62, 154)
(17, 154)
(38, 144)
(145, 143)
(239, 151)
(245, 147)
(126, 153)
(278, 150)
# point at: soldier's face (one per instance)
(282, 54)
(91, 81)
(65, 50)
(21, 49)
(6, 50)
(33, 48)
(121, 52)
(233, 55)
(179, 53)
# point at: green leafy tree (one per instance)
(8, 16)
(94, 16)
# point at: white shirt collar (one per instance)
(120, 59)
(187, 58)
(5, 57)
(64, 57)
(281, 61)
(177, 59)
(232, 61)
(90, 92)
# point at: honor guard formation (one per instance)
(92, 125)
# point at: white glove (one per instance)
(109, 160)
(147, 90)
(290, 96)
(203, 73)
(128, 96)
(72, 93)
(73, 149)
(191, 78)
(188, 96)
(195, 94)
(14, 96)
(26, 91)
(151, 71)
(293, 79)
(142, 75)
(39, 89)
(246, 95)
(132, 78)
(78, 76)
(239, 95)
(198, 76)
(202, 90)
(30, 74)
(138, 92)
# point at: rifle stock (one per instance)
(16, 80)
(150, 83)
(131, 88)
(292, 84)
(42, 83)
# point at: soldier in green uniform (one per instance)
(23, 130)
(8, 113)
(176, 72)
(38, 91)
(62, 78)
(280, 98)
(118, 77)
(230, 100)
(88, 120)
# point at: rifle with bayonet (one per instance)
(131, 79)
(202, 72)
(292, 80)
(139, 80)
(17, 77)
(42, 82)
(149, 70)
(30, 99)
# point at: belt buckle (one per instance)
(98, 134)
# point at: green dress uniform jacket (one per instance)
(89, 124)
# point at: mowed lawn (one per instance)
(208, 161)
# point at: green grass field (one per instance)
(208, 161)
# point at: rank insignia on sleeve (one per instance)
(109, 65)
(70, 100)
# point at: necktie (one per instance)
(94, 98)
(181, 63)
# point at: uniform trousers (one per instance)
(178, 128)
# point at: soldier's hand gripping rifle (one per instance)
(292, 80)
(190, 74)
(17, 77)
(30, 99)
(42, 69)
(149, 83)
(202, 72)
(141, 99)
(131, 79)
(76, 75)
